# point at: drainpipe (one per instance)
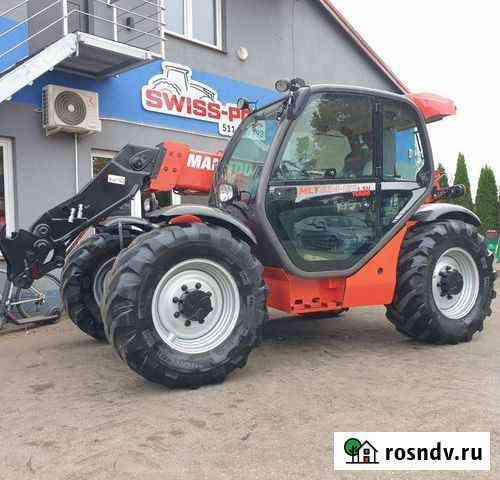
(76, 162)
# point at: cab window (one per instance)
(332, 138)
(243, 167)
(403, 158)
(402, 142)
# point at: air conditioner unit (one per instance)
(70, 110)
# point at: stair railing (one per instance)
(151, 13)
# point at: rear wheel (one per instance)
(185, 306)
(43, 298)
(83, 280)
(445, 283)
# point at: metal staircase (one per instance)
(54, 40)
(28, 70)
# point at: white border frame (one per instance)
(8, 175)
(135, 203)
(188, 25)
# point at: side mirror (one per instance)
(423, 177)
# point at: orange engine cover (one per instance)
(300, 296)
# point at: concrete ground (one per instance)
(71, 410)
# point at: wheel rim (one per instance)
(195, 277)
(453, 304)
(42, 298)
(99, 277)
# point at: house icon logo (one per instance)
(360, 452)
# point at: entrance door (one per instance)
(7, 218)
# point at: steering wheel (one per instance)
(288, 167)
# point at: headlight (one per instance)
(147, 205)
(226, 193)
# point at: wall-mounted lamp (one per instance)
(242, 53)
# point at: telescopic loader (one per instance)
(323, 201)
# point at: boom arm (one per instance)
(171, 166)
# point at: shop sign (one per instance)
(174, 92)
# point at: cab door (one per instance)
(321, 201)
(347, 169)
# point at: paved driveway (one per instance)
(71, 410)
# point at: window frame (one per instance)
(188, 26)
(9, 185)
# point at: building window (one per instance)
(197, 20)
(100, 159)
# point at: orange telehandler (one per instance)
(323, 201)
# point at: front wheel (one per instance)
(445, 283)
(184, 306)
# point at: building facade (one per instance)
(215, 54)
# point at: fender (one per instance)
(114, 224)
(430, 212)
(210, 214)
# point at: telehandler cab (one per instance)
(323, 201)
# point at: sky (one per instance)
(450, 48)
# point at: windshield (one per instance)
(243, 166)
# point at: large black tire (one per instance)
(130, 292)
(414, 311)
(78, 276)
